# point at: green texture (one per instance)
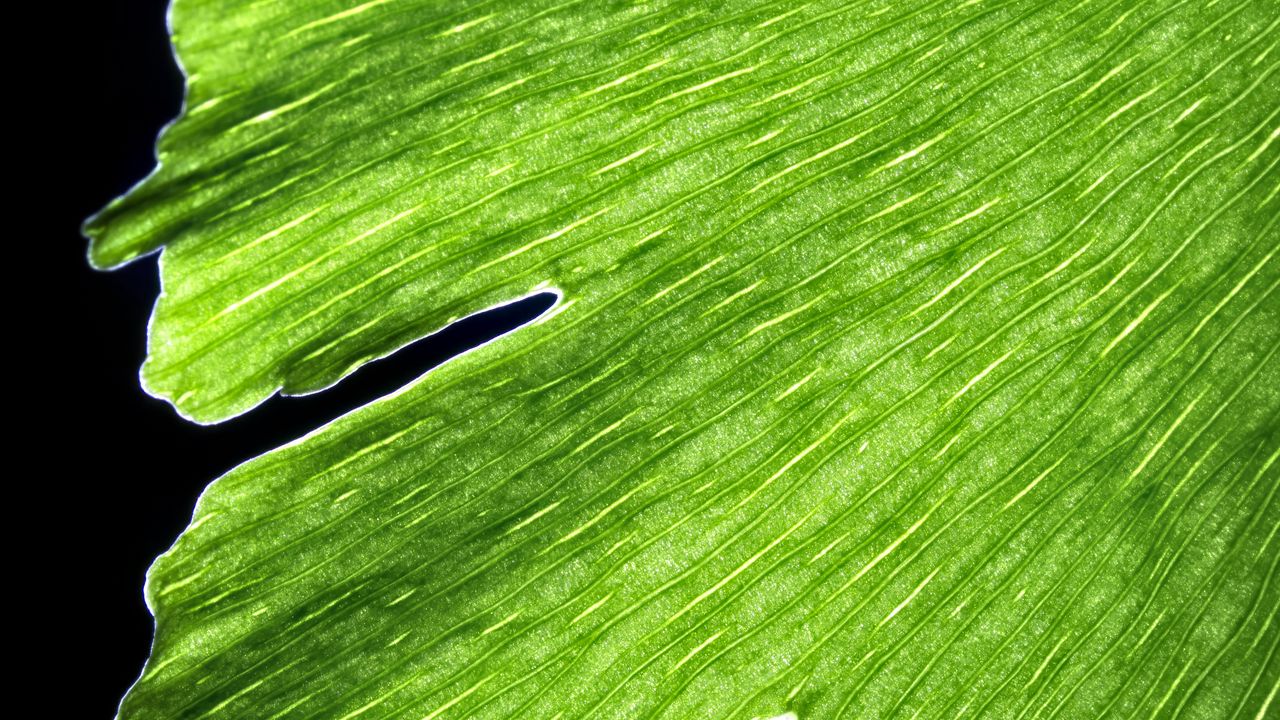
(912, 359)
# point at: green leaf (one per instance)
(911, 360)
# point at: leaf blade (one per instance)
(870, 317)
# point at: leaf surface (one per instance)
(911, 359)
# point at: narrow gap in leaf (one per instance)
(282, 418)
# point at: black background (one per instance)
(134, 468)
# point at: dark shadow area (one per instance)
(122, 470)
